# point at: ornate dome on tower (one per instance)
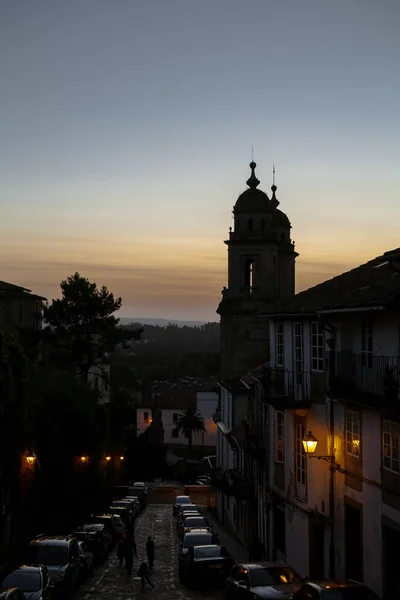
(254, 200)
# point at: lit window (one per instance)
(279, 436)
(391, 438)
(279, 339)
(353, 438)
(317, 347)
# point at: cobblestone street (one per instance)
(111, 581)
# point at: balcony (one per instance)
(365, 378)
(245, 235)
(285, 389)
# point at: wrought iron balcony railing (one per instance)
(279, 384)
(365, 376)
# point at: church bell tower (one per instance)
(261, 273)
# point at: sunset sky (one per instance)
(126, 130)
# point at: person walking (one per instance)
(130, 550)
(144, 574)
(121, 549)
(150, 547)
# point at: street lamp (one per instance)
(121, 458)
(108, 458)
(30, 458)
(84, 459)
(310, 445)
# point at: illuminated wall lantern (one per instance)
(83, 459)
(108, 458)
(30, 458)
(310, 443)
(121, 458)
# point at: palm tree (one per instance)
(189, 422)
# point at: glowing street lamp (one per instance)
(122, 458)
(310, 443)
(83, 459)
(108, 458)
(31, 458)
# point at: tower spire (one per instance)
(274, 200)
(252, 181)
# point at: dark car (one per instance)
(199, 537)
(32, 580)
(179, 501)
(191, 523)
(60, 554)
(206, 564)
(109, 522)
(122, 512)
(263, 580)
(11, 594)
(334, 590)
(103, 530)
(181, 518)
(87, 560)
(95, 540)
(130, 506)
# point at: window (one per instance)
(146, 417)
(366, 344)
(175, 433)
(279, 453)
(391, 438)
(174, 417)
(317, 347)
(300, 461)
(279, 339)
(353, 441)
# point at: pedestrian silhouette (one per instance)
(144, 574)
(150, 547)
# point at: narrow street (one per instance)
(111, 581)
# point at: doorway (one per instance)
(391, 545)
(316, 532)
(353, 542)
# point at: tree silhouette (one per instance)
(82, 322)
(189, 422)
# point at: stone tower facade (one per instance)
(261, 272)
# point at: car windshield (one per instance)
(26, 581)
(195, 522)
(44, 554)
(356, 593)
(193, 539)
(183, 500)
(273, 576)
(188, 508)
(208, 552)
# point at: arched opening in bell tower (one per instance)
(249, 274)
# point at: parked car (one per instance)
(192, 522)
(11, 594)
(197, 537)
(334, 590)
(95, 540)
(60, 554)
(130, 506)
(86, 559)
(263, 580)
(179, 500)
(32, 580)
(136, 502)
(181, 518)
(187, 508)
(103, 530)
(109, 521)
(122, 511)
(206, 564)
(141, 484)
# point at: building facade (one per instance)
(172, 399)
(333, 382)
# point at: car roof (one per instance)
(55, 540)
(181, 497)
(105, 516)
(27, 568)
(139, 483)
(199, 516)
(263, 565)
(198, 531)
(207, 546)
(326, 584)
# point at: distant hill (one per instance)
(159, 322)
